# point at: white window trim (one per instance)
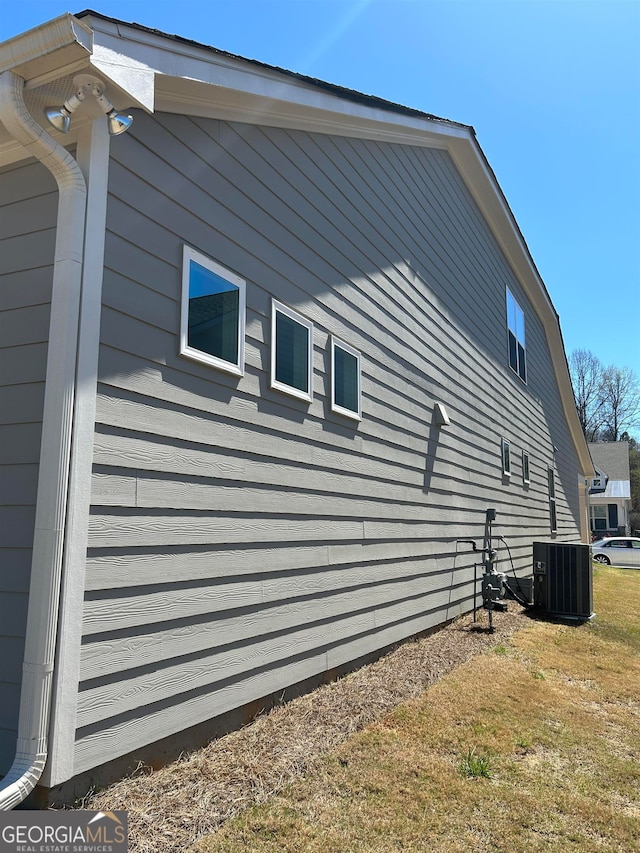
(188, 255)
(281, 386)
(506, 469)
(348, 413)
(526, 469)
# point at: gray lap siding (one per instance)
(242, 540)
(28, 202)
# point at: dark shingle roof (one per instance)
(611, 457)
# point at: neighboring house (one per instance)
(265, 357)
(610, 492)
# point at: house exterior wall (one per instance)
(241, 540)
(617, 511)
(28, 204)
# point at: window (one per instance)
(515, 326)
(213, 313)
(525, 467)
(599, 517)
(345, 379)
(506, 458)
(291, 352)
(553, 520)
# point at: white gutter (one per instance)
(57, 427)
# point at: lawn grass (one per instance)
(550, 720)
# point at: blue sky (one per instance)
(552, 88)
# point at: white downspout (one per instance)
(57, 427)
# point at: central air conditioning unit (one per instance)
(563, 579)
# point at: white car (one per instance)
(617, 551)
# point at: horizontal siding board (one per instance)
(135, 729)
(203, 427)
(16, 526)
(10, 702)
(141, 492)
(173, 457)
(15, 569)
(11, 657)
(28, 213)
(378, 198)
(191, 672)
(26, 288)
(117, 568)
(27, 251)
(26, 363)
(30, 180)
(13, 613)
(185, 603)
(107, 655)
(118, 530)
(19, 484)
(20, 404)
(148, 379)
(27, 325)
(20, 444)
(406, 626)
(97, 703)
(124, 734)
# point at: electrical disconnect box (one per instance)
(563, 579)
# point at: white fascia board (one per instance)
(193, 80)
(318, 115)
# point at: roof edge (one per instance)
(333, 88)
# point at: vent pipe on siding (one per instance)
(57, 426)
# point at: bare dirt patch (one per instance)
(171, 808)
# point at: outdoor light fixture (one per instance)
(60, 117)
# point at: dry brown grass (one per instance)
(556, 712)
(371, 763)
(171, 808)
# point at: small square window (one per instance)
(345, 379)
(291, 352)
(506, 458)
(525, 467)
(212, 313)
